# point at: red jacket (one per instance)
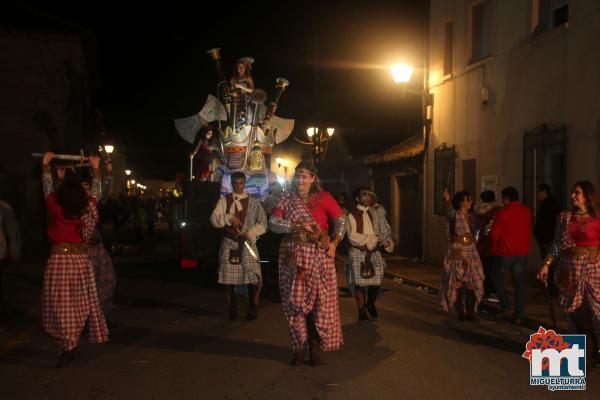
(511, 231)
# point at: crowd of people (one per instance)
(485, 241)
(312, 225)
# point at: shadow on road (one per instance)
(198, 343)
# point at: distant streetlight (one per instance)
(319, 139)
(127, 172)
(401, 73)
(109, 149)
(133, 181)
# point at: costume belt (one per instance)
(465, 240)
(579, 251)
(300, 238)
(364, 248)
(68, 248)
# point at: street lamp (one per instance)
(109, 149)
(127, 172)
(401, 73)
(318, 139)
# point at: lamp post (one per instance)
(319, 138)
(402, 74)
(127, 173)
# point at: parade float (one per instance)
(235, 130)
(239, 129)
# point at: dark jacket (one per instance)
(545, 221)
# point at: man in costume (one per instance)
(368, 231)
(242, 220)
(307, 276)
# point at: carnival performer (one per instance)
(575, 250)
(99, 187)
(368, 231)
(307, 275)
(462, 280)
(69, 296)
(242, 85)
(242, 220)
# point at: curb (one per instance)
(528, 322)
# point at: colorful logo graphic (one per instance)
(556, 361)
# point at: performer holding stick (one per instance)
(69, 296)
(242, 220)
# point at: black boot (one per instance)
(314, 342)
(65, 358)
(373, 293)
(252, 310)
(230, 297)
(298, 358)
(460, 308)
(470, 300)
(360, 295)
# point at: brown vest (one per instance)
(358, 216)
(231, 231)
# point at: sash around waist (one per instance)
(465, 240)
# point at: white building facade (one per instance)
(516, 100)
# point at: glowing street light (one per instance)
(401, 73)
(318, 139)
(127, 172)
(109, 148)
(133, 181)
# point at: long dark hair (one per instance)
(72, 198)
(315, 187)
(591, 197)
(459, 198)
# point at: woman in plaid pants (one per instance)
(69, 296)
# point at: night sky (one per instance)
(153, 67)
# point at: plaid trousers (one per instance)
(70, 301)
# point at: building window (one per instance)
(548, 14)
(444, 175)
(544, 161)
(448, 43)
(481, 30)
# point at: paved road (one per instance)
(173, 342)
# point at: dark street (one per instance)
(172, 340)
